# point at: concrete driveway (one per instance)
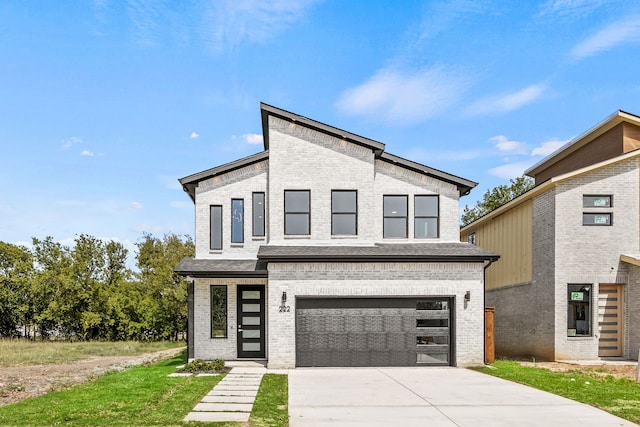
(428, 397)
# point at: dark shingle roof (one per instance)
(222, 267)
(408, 252)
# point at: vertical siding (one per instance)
(508, 235)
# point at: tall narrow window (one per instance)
(344, 212)
(258, 214)
(215, 239)
(237, 220)
(426, 216)
(579, 310)
(297, 212)
(395, 216)
(218, 311)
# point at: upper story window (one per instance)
(426, 216)
(395, 223)
(594, 202)
(597, 201)
(297, 212)
(215, 227)
(258, 214)
(344, 212)
(237, 221)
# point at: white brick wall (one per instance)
(238, 184)
(377, 279)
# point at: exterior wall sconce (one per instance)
(467, 296)
(284, 297)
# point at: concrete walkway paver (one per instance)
(231, 399)
(446, 397)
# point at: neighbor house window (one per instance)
(297, 212)
(426, 216)
(472, 238)
(603, 218)
(258, 214)
(215, 239)
(344, 212)
(218, 311)
(237, 220)
(597, 201)
(594, 202)
(395, 216)
(579, 310)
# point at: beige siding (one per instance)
(508, 235)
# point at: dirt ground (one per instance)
(21, 382)
(616, 370)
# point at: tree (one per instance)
(164, 304)
(16, 272)
(497, 197)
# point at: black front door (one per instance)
(251, 321)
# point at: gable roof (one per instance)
(582, 140)
(189, 183)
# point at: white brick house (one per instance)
(324, 250)
(568, 282)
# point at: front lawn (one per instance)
(142, 396)
(620, 397)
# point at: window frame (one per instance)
(225, 306)
(594, 223)
(588, 314)
(254, 211)
(585, 197)
(233, 221)
(307, 213)
(416, 216)
(406, 216)
(215, 227)
(354, 214)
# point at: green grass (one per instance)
(24, 352)
(141, 396)
(620, 397)
(271, 406)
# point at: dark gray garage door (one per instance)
(373, 331)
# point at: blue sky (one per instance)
(105, 104)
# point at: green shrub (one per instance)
(199, 366)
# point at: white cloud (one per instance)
(569, 8)
(66, 144)
(511, 170)
(136, 205)
(404, 97)
(505, 145)
(194, 135)
(627, 31)
(87, 153)
(508, 102)
(548, 147)
(229, 23)
(253, 138)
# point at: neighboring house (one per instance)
(324, 250)
(568, 282)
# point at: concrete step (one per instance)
(223, 407)
(218, 417)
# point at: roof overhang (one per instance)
(631, 259)
(604, 126)
(543, 188)
(189, 183)
(223, 268)
(267, 110)
(428, 252)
